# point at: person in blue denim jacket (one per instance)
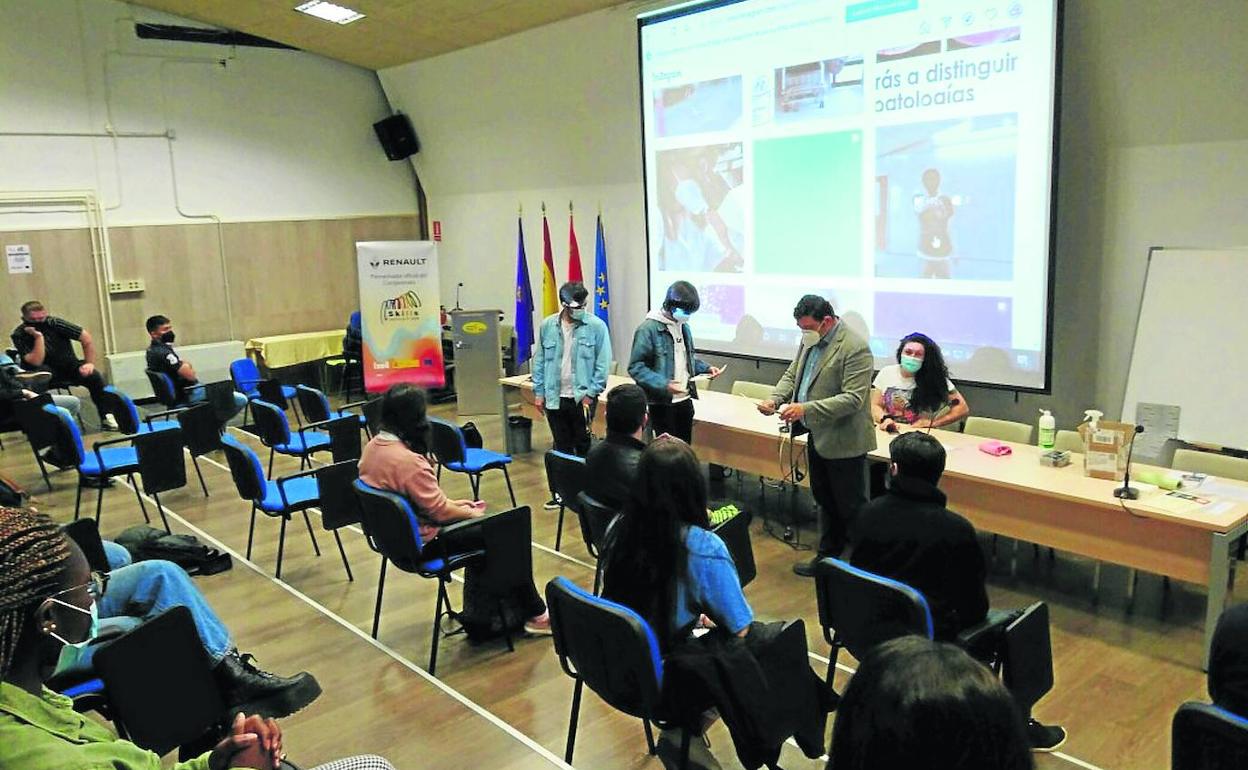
(570, 369)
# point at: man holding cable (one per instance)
(825, 392)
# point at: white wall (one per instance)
(1153, 151)
(271, 135)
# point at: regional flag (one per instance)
(602, 289)
(524, 301)
(574, 252)
(550, 291)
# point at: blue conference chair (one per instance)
(282, 497)
(316, 407)
(273, 429)
(1206, 737)
(612, 649)
(108, 459)
(453, 453)
(129, 420)
(565, 474)
(247, 379)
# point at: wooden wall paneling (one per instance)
(63, 279)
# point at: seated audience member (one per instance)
(611, 465)
(1228, 661)
(47, 612)
(145, 589)
(396, 460)
(918, 703)
(12, 389)
(161, 357)
(916, 390)
(353, 339)
(910, 536)
(45, 343)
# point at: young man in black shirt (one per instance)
(161, 357)
(910, 536)
(611, 465)
(45, 343)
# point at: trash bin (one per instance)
(520, 431)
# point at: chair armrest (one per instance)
(353, 405)
(982, 640)
(164, 415)
(316, 425)
(96, 448)
(282, 480)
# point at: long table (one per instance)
(283, 350)
(1014, 495)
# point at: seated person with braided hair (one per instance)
(47, 609)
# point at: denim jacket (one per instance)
(590, 359)
(653, 361)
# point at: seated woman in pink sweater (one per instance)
(396, 460)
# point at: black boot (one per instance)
(252, 691)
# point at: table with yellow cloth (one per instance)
(283, 350)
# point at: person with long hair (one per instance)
(916, 390)
(662, 559)
(397, 460)
(919, 703)
(48, 613)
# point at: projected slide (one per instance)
(892, 155)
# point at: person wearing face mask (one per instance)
(663, 361)
(916, 390)
(825, 392)
(48, 613)
(397, 460)
(44, 343)
(570, 370)
(161, 357)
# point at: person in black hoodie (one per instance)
(909, 535)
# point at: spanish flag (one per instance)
(550, 290)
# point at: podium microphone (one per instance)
(1126, 492)
(458, 286)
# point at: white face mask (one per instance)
(810, 337)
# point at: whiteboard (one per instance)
(1191, 343)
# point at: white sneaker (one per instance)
(110, 422)
(552, 504)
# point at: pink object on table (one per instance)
(995, 447)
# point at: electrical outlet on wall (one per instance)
(131, 286)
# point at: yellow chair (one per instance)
(759, 390)
(1069, 441)
(1002, 430)
(1210, 464)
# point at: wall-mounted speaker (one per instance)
(397, 137)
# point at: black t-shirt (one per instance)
(163, 358)
(58, 337)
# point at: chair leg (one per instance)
(510, 492)
(685, 739)
(381, 587)
(342, 551)
(77, 499)
(43, 468)
(315, 545)
(271, 462)
(502, 616)
(246, 412)
(833, 656)
(649, 738)
(281, 546)
(139, 497)
(576, 711)
(597, 577)
(559, 528)
(475, 481)
(99, 500)
(437, 625)
(161, 509)
(251, 530)
(198, 472)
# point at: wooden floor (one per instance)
(1121, 671)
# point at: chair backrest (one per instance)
(220, 396)
(245, 376)
(272, 391)
(448, 441)
(272, 427)
(1068, 441)
(1210, 463)
(759, 390)
(161, 462)
(339, 504)
(86, 533)
(67, 438)
(372, 414)
(391, 525)
(163, 388)
(1206, 737)
(344, 438)
(200, 429)
(606, 645)
(39, 426)
(735, 533)
(122, 408)
(245, 469)
(1002, 430)
(1027, 656)
(174, 708)
(313, 403)
(865, 609)
(565, 474)
(595, 519)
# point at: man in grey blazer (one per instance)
(825, 392)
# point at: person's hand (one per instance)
(792, 412)
(269, 737)
(715, 372)
(29, 394)
(887, 425)
(32, 331)
(767, 407)
(238, 749)
(675, 388)
(478, 507)
(587, 401)
(86, 369)
(539, 404)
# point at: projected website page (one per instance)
(893, 156)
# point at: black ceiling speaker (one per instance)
(397, 137)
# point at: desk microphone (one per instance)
(1125, 492)
(952, 403)
(458, 286)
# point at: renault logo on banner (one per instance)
(405, 307)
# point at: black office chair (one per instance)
(1206, 737)
(40, 428)
(565, 474)
(161, 465)
(595, 519)
(339, 506)
(735, 532)
(613, 650)
(859, 609)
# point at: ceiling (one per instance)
(392, 32)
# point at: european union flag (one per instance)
(524, 302)
(602, 289)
